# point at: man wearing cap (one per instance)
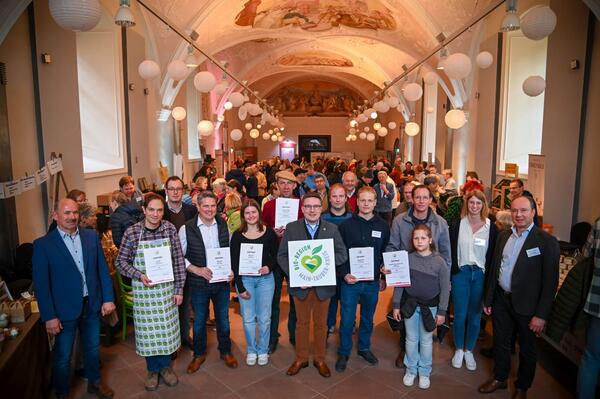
(286, 183)
(301, 187)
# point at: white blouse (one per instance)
(472, 247)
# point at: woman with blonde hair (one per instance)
(233, 203)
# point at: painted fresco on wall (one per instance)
(316, 15)
(314, 58)
(315, 98)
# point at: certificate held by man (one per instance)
(218, 260)
(361, 263)
(159, 267)
(397, 263)
(250, 259)
(286, 211)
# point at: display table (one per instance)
(25, 362)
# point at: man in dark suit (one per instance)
(519, 294)
(73, 288)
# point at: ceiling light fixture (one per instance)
(190, 60)
(124, 15)
(511, 20)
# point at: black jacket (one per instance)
(124, 216)
(238, 175)
(455, 229)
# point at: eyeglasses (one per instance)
(178, 189)
(311, 207)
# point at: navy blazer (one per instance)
(57, 281)
(384, 202)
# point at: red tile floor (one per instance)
(124, 371)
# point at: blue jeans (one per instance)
(257, 310)
(467, 296)
(89, 331)
(367, 293)
(590, 363)
(218, 293)
(156, 363)
(419, 344)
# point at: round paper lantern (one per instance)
(204, 81)
(381, 106)
(148, 69)
(220, 117)
(221, 88)
(347, 138)
(352, 130)
(228, 105)
(242, 113)
(533, 86)
(254, 109)
(205, 128)
(274, 137)
(76, 15)
(430, 78)
(382, 132)
(177, 70)
(266, 136)
(353, 137)
(413, 92)
(392, 101)
(178, 113)
(370, 137)
(236, 135)
(376, 126)
(373, 115)
(366, 129)
(392, 125)
(458, 66)
(362, 136)
(455, 119)
(353, 123)
(280, 138)
(484, 59)
(538, 22)
(254, 133)
(412, 128)
(362, 118)
(270, 131)
(248, 126)
(237, 99)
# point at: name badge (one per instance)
(376, 234)
(480, 242)
(533, 252)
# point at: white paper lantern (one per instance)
(353, 123)
(177, 70)
(484, 59)
(178, 113)
(412, 128)
(148, 69)
(458, 66)
(236, 135)
(455, 119)
(220, 117)
(237, 99)
(242, 113)
(270, 131)
(254, 133)
(381, 106)
(370, 137)
(266, 136)
(204, 81)
(538, 22)
(533, 86)
(353, 137)
(254, 109)
(280, 138)
(366, 129)
(221, 88)
(412, 92)
(362, 136)
(228, 105)
(376, 126)
(392, 101)
(248, 126)
(274, 137)
(347, 138)
(205, 128)
(430, 78)
(392, 125)
(382, 132)
(352, 130)
(362, 118)
(373, 115)
(76, 15)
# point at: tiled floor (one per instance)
(124, 371)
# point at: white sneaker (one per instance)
(457, 359)
(470, 361)
(409, 379)
(251, 359)
(263, 359)
(424, 382)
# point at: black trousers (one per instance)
(279, 275)
(506, 321)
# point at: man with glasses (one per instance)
(402, 228)
(311, 301)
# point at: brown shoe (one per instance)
(100, 390)
(195, 364)
(520, 394)
(296, 366)
(323, 369)
(151, 382)
(169, 377)
(492, 385)
(400, 360)
(229, 360)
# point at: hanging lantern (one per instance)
(248, 126)
(538, 22)
(362, 136)
(376, 126)
(455, 119)
(392, 125)
(412, 92)
(362, 118)
(412, 128)
(484, 59)
(220, 117)
(392, 101)
(242, 113)
(458, 66)
(237, 99)
(366, 129)
(254, 133)
(177, 70)
(370, 137)
(228, 105)
(205, 128)
(274, 137)
(382, 132)
(204, 81)
(178, 113)
(353, 137)
(236, 135)
(381, 106)
(76, 15)
(266, 136)
(533, 86)
(148, 69)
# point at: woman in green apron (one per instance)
(150, 254)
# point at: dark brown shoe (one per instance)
(519, 394)
(100, 390)
(492, 385)
(229, 360)
(296, 366)
(400, 360)
(195, 364)
(323, 369)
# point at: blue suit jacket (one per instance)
(57, 281)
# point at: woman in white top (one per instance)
(472, 240)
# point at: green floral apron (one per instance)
(155, 315)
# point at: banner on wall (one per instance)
(535, 180)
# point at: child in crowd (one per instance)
(422, 305)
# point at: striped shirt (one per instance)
(592, 248)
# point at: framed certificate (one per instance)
(250, 259)
(397, 262)
(361, 263)
(218, 260)
(159, 267)
(312, 263)
(286, 211)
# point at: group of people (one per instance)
(503, 265)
